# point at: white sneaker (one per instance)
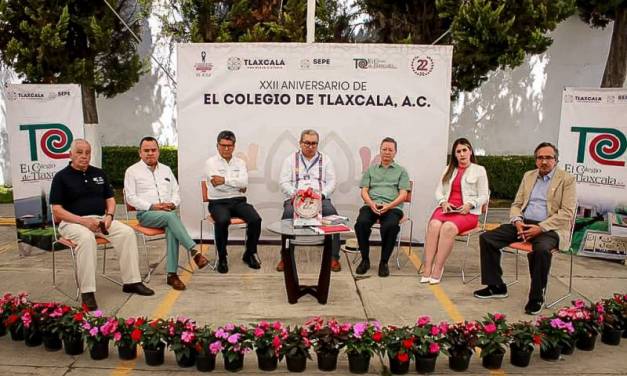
(425, 279)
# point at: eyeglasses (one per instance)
(309, 144)
(226, 146)
(545, 158)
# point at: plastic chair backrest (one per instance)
(203, 189)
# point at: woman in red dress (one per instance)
(460, 194)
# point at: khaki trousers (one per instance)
(123, 239)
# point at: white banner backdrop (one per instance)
(42, 121)
(592, 146)
(353, 95)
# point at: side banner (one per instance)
(42, 121)
(353, 95)
(593, 145)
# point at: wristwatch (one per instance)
(109, 214)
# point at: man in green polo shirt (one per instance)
(384, 187)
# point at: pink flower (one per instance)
(277, 325)
(434, 348)
(258, 332)
(97, 313)
(264, 324)
(130, 321)
(434, 331)
(229, 327)
(579, 303)
(423, 320)
(499, 316)
(443, 327)
(220, 333)
(489, 328)
(359, 329)
(187, 337)
(93, 331)
(233, 338)
(26, 319)
(117, 336)
(215, 347)
(276, 342)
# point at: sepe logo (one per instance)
(366, 63)
(605, 148)
(315, 63)
(55, 142)
(422, 65)
(203, 69)
(305, 64)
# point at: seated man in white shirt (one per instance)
(309, 168)
(227, 180)
(152, 189)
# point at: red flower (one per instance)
(198, 347)
(139, 322)
(408, 343)
(377, 337)
(12, 319)
(78, 316)
(84, 307)
(402, 357)
(136, 335)
(537, 339)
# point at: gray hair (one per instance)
(77, 141)
(309, 132)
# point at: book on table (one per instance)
(331, 229)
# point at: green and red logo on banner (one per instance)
(55, 142)
(605, 148)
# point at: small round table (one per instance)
(294, 290)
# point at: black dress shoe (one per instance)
(137, 288)
(533, 307)
(363, 267)
(89, 300)
(251, 260)
(223, 266)
(384, 271)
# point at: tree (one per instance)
(598, 13)
(254, 21)
(486, 34)
(73, 41)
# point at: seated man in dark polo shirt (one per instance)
(384, 187)
(83, 202)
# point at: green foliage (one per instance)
(486, 35)
(116, 159)
(598, 13)
(505, 173)
(254, 21)
(73, 42)
(6, 195)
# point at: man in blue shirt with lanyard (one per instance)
(309, 168)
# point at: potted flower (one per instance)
(12, 306)
(153, 340)
(612, 320)
(587, 321)
(398, 343)
(523, 336)
(492, 337)
(235, 344)
(30, 318)
(554, 332)
(460, 342)
(49, 324)
(128, 336)
(182, 340)
(207, 346)
(267, 340)
(98, 330)
(364, 340)
(295, 349)
(427, 343)
(70, 328)
(327, 340)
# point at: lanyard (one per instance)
(297, 161)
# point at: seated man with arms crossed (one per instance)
(82, 200)
(152, 189)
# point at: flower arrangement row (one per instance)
(60, 326)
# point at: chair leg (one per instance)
(104, 261)
(75, 273)
(570, 285)
(516, 273)
(149, 268)
(467, 255)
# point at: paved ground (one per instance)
(244, 295)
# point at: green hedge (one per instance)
(504, 172)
